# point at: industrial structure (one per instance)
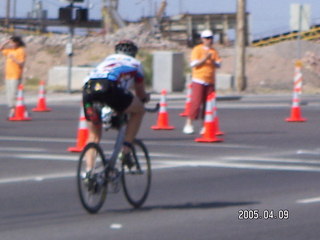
(184, 28)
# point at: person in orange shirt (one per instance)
(204, 61)
(14, 51)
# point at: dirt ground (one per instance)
(268, 69)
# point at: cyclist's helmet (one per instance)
(126, 47)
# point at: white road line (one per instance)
(309, 200)
(47, 157)
(71, 157)
(36, 139)
(209, 145)
(270, 159)
(21, 149)
(37, 177)
(151, 143)
(116, 226)
(221, 164)
(228, 162)
(167, 164)
(308, 152)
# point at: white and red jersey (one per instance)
(121, 68)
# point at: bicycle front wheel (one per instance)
(91, 179)
(136, 179)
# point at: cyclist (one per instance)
(109, 84)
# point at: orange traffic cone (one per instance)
(188, 102)
(215, 109)
(295, 109)
(83, 133)
(21, 113)
(163, 116)
(209, 123)
(41, 106)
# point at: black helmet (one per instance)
(126, 47)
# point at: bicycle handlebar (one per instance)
(154, 109)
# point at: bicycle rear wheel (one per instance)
(136, 180)
(91, 179)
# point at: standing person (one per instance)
(204, 61)
(109, 84)
(14, 51)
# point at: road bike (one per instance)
(108, 170)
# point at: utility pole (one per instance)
(240, 75)
(69, 48)
(7, 21)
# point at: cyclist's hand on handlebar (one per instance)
(146, 98)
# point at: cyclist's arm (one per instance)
(141, 92)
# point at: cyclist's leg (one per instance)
(94, 136)
(94, 131)
(136, 110)
(93, 123)
(123, 100)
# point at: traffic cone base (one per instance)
(41, 110)
(82, 139)
(20, 113)
(209, 134)
(185, 113)
(218, 132)
(162, 123)
(208, 140)
(20, 119)
(41, 106)
(295, 115)
(83, 133)
(210, 122)
(162, 127)
(163, 116)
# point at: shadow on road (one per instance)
(189, 205)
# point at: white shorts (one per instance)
(11, 91)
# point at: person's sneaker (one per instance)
(188, 129)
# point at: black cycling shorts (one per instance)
(105, 92)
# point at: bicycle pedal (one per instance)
(115, 187)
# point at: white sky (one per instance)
(267, 16)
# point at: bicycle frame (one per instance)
(120, 139)
(117, 146)
(135, 179)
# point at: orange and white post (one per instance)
(82, 135)
(41, 106)
(209, 123)
(163, 116)
(186, 111)
(215, 110)
(297, 89)
(21, 113)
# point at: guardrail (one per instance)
(312, 34)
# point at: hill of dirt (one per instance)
(268, 69)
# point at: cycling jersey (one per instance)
(108, 84)
(118, 68)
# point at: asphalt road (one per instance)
(265, 169)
